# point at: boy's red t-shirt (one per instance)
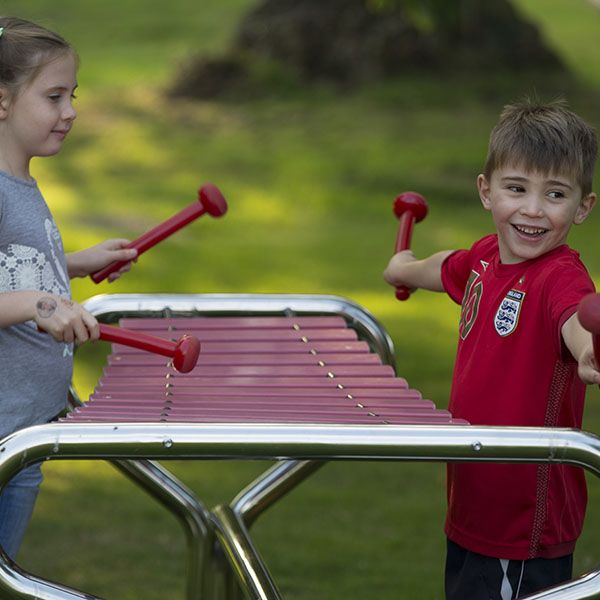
(512, 368)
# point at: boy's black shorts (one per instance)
(472, 576)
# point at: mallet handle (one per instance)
(410, 208)
(184, 352)
(210, 200)
(137, 339)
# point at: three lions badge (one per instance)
(507, 315)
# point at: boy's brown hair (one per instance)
(544, 138)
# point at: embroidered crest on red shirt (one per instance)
(507, 315)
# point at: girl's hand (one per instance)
(65, 320)
(97, 257)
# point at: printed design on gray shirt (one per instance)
(54, 240)
(26, 268)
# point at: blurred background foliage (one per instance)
(310, 172)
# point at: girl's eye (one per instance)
(73, 97)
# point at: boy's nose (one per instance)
(532, 206)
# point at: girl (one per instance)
(38, 78)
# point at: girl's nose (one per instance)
(69, 114)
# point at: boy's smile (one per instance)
(533, 212)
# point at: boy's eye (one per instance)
(516, 188)
(556, 194)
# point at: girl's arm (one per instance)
(405, 269)
(90, 260)
(579, 343)
(64, 320)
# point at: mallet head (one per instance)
(588, 313)
(412, 202)
(186, 353)
(209, 195)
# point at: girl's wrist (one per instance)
(74, 268)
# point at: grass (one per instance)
(310, 176)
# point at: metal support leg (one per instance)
(243, 556)
(271, 486)
(191, 513)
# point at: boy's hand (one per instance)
(394, 273)
(579, 342)
(588, 368)
(65, 320)
(97, 257)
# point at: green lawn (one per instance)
(310, 177)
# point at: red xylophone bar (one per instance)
(210, 200)
(409, 208)
(324, 376)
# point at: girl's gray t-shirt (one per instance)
(35, 370)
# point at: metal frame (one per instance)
(222, 556)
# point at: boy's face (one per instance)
(533, 212)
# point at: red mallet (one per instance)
(184, 352)
(588, 313)
(409, 208)
(210, 200)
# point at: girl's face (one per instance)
(36, 120)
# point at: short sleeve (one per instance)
(566, 287)
(455, 273)
(457, 267)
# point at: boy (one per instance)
(522, 358)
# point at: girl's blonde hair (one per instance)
(24, 49)
(544, 138)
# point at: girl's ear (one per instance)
(584, 209)
(483, 187)
(4, 102)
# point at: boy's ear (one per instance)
(585, 208)
(483, 187)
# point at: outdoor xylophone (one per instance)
(297, 369)
(323, 390)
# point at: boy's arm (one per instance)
(579, 343)
(64, 320)
(90, 260)
(405, 269)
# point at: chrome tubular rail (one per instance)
(300, 442)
